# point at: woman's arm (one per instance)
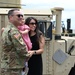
(41, 49)
(41, 44)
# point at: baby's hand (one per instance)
(21, 32)
(24, 32)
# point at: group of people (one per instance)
(22, 45)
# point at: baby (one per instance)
(24, 29)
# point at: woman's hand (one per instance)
(31, 53)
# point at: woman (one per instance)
(35, 62)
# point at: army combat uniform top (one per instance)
(14, 51)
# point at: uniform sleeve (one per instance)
(18, 43)
(6, 43)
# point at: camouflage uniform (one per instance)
(14, 51)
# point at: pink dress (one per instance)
(26, 36)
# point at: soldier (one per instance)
(14, 50)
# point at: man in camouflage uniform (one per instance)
(14, 50)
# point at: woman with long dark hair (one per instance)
(36, 36)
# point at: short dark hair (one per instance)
(10, 12)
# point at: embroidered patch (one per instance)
(17, 36)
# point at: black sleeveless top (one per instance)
(35, 62)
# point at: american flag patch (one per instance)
(17, 35)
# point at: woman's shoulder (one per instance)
(40, 33)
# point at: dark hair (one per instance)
(38, 32)
(10, 12)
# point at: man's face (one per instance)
(17, 17)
